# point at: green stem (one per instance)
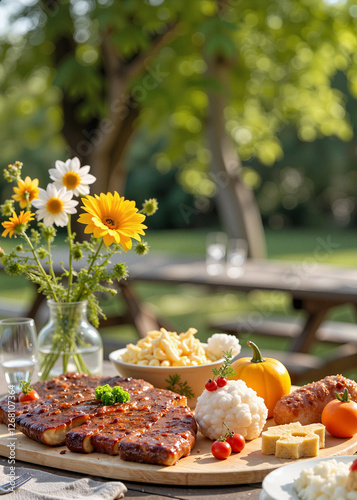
(344, 398)
(94, 258)
(70, 270)
(65, 344)
(229, 433)
(48, 363)
(80, 364)
(257, 357)
(39, 265)
(50, 262)
(79, 296)
(65, 359)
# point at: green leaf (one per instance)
(220, 45)
(175, 385)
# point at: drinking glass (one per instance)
(216, 244)
(236, 256)
(18, 349)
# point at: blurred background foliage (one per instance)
(291, 110)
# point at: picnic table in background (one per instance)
(314, 289)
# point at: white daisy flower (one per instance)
(72, 176)
(53, 206)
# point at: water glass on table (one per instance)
(216, 244)
(18, 349)
(236, 256)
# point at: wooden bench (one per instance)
(336, 332)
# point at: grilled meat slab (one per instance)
(103, 432)
(170, 438)
(67, 412)
(65, 402)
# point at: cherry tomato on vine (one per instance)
(211, 385)
(30, 396)
(236, 442)
(221, 381)
(221, 450)
(27, 394)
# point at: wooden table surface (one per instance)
(152, 491)
(305, 280)
(324, 286)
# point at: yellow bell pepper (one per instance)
(268, 377)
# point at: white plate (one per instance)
(264, 496)
(278, 485)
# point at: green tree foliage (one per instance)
(118, 66)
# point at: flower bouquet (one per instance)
(112, 221)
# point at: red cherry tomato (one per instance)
(211, 385)
(221, 450)
(237, 442)
(31, 396)
(354, 465)
(221, 381)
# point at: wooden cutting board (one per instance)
(198, 469)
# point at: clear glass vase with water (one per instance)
(69, 343)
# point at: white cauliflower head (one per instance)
(235, 404)
(219, 343)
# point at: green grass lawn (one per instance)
(294, 244)
(185, 306)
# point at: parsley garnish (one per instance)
(176, 385)
(110, 396)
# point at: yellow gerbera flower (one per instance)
(17, 223)
(112, 218)
(26, 191)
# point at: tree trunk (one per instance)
(107, 158)
(103, 143)
(236, 203)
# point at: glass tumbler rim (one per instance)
(16, 321)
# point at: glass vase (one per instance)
(68, 342)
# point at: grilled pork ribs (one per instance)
(154, 426)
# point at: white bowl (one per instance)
(158, 376)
